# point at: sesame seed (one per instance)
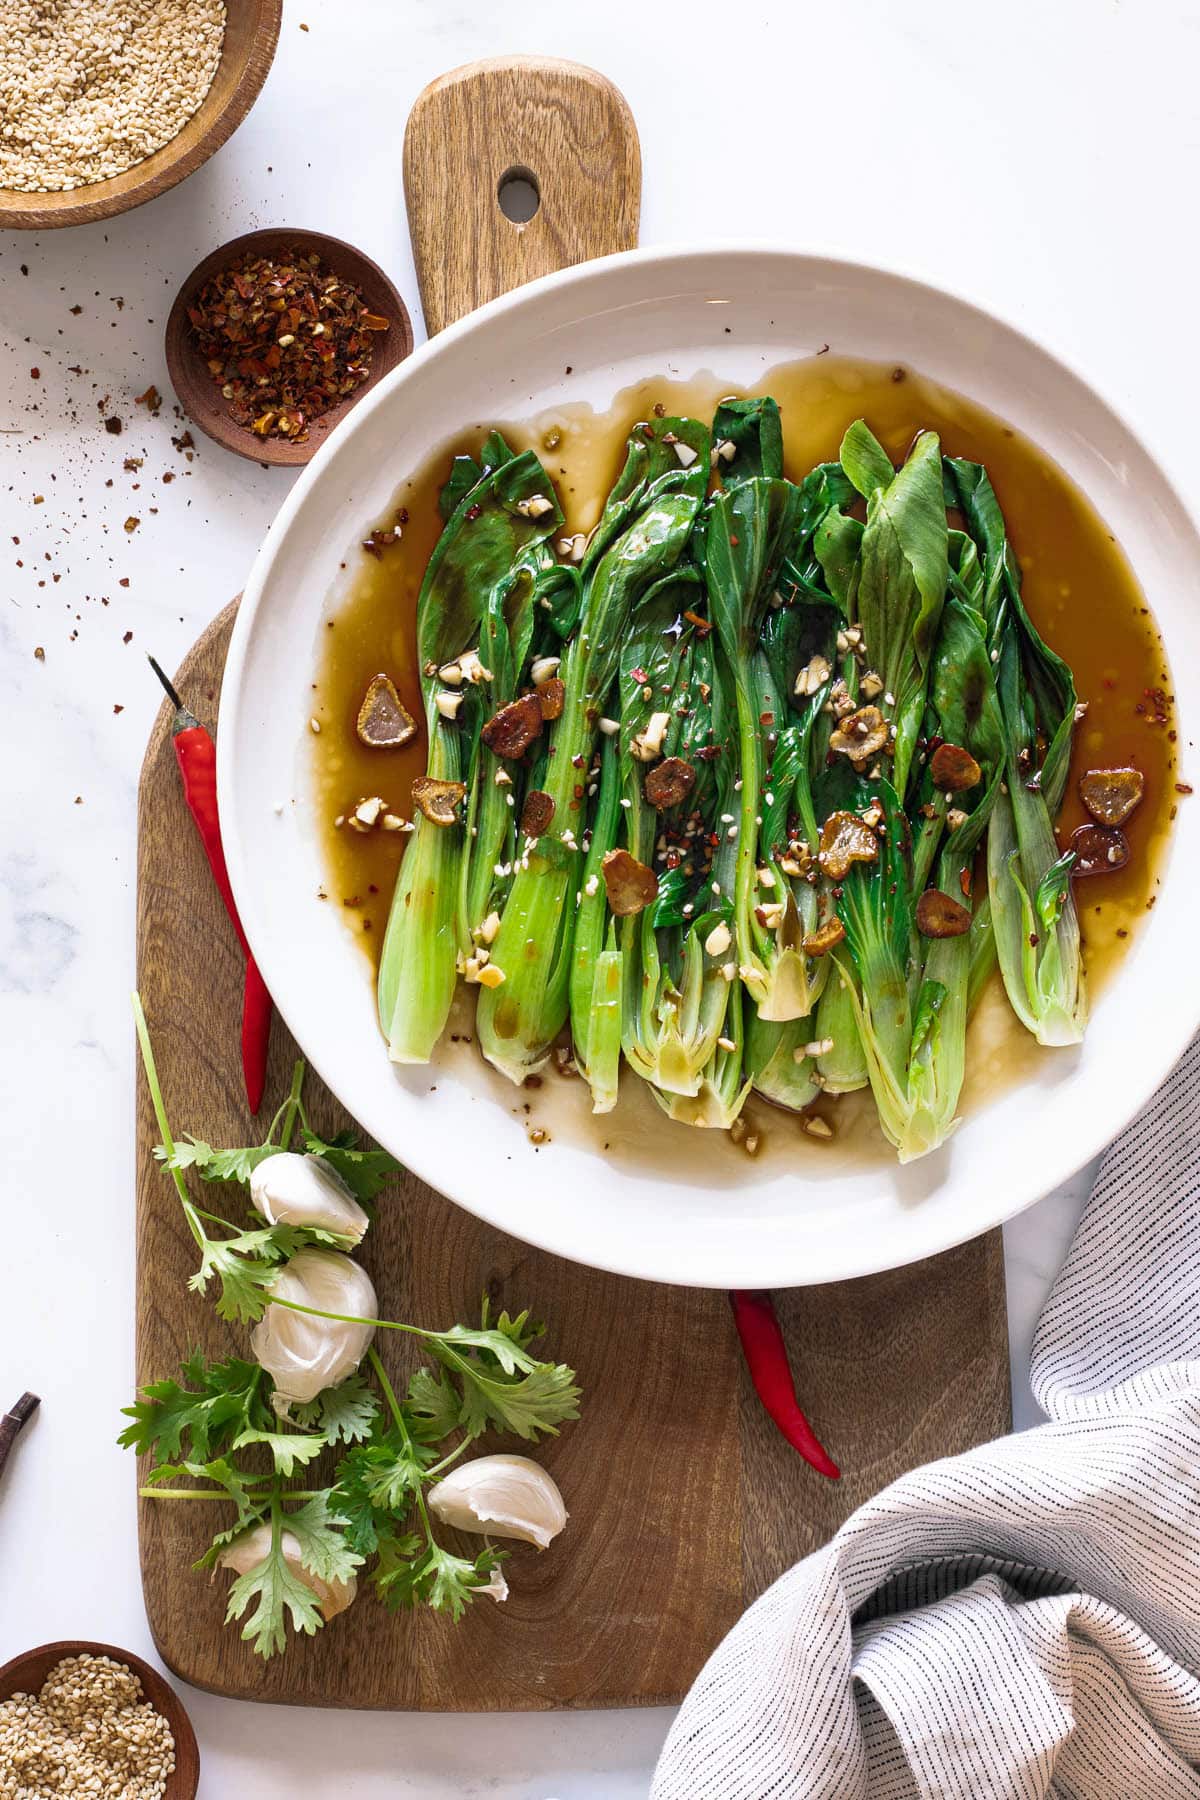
(90, 1731)
(90, 90)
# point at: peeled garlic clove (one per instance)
(304, 1355)
(304, 1190)
(246, 1552)
(504, 1496)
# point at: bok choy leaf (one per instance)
(1033, 911)
(519, 1018)
(468, 582)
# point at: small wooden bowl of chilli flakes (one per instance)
(275, 336)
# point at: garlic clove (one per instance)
(289, 1189)
(246, 1552)
(304, 1354)
(502, 1496)
(496, 1587)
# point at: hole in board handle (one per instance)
(518, 195)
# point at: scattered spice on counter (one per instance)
(285, 339)
(91, 87)
(90, 1731)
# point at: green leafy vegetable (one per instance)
(272, 1593)
(1033, 912)
(902, 579)
(518, 1021)
(476, 596)
(729, 639)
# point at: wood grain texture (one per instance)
(198, 393)
(251, 35)
(566, 126)
(685, 1502)
(26, 1673)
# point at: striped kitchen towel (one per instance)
(1022, 1620)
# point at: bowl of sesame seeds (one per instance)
(79, 1718)
(106, 103)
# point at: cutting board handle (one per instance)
(486, 137)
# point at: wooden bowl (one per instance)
(25, 1675)
(251, 34)
(198, 393)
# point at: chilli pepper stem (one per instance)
(170, 690)
(766, 1358)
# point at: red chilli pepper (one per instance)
(196, 755)
(256, 1034)
(766, 1357)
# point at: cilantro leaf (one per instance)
(365, 1172)
(365, 1528)
(529, 1405)
(450, 1581)
(503, 1344)
(393, 1571)
(395, 1473)
(245, 1267)
(219, 1470)
(347, 1412)
(290, 1450)
(409, 1573)
(502, 1384)
(433, 1402)
(244, 1281)
(377, 1480)
(318, 1529)
(213, 1164)
(279, 1592)
(224, 1398)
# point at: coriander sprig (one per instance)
(321, 1489)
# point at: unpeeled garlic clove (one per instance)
(502, 1496)
(303, 1354)
(246, 1552)
(289, 1189)
(496, 1588)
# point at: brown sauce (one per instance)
(1077, 585)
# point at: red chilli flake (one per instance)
(285, 339)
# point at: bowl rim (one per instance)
(155, 1686)
(336, 252)
(21, 211)
(1060, 1163)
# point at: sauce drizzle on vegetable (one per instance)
(1077, 584)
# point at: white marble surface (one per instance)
(1032, 156)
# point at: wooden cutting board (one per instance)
(685, 1503)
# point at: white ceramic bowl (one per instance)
(684, 1209)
